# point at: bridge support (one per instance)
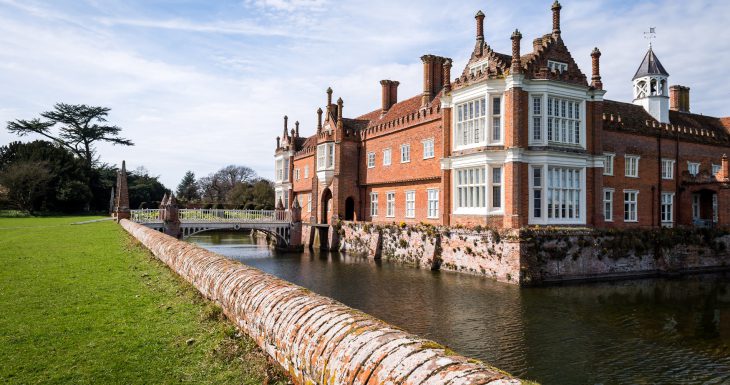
(170, 214)
(295, 231)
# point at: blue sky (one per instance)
(198, 85)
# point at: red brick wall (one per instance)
(400, 189)
(622, 143)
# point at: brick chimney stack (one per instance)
(556, 18)
(480, 26)
(278, 142)
(447, 75)
(389, 91)
(296, 129)
(319, 119)
(516, 67)
(339, 113)
(329, 103)
(286, 123)
(679, 98)
(596, 67)
(433, 73)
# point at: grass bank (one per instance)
(86, 304)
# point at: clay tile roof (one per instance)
(396, 111)
(634, 117)
(310, 142)
(355, 124)
(650, 66)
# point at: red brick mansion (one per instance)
(514, 140)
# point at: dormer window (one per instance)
(326, 156)
(556, 66)
(481, 65)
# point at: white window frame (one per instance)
(558, 66)
(373, 204)
(481, 65)
(537, 192)
(390, 204)
(667, 200)
(609, 163)
(309, 202)
(608, 196)
(326, 156)
(470, 190)
(296, 174)
(496, 134)
(564, 119)
(716, 168)
(371, 159)
(470, 123)
(493, 183)
(387, 157)
(428, 148)
(693, 165)
(405, 153)
(631, 172)
(306, 171)
(536, 121)
(549, 197)
(411, 204)
(432, 195)
(627, 203)
(667, 169)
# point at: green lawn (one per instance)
(86, 304)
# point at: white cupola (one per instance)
(651, 88)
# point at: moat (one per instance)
(649, 331)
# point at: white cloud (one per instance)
(198, 90)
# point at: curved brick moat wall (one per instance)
(529, 257)
(316, 339)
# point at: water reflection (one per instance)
(651, 331)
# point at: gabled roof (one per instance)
(650, 66)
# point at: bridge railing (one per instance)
(213, 215)
(145, 216)
(218, 215)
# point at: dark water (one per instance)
(651, 331)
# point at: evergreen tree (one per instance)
(187, 190)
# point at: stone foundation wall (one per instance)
(556, 256)
(316, 339)
(530, 256)
(483, 252)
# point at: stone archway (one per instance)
(325, 206)
(349, 209)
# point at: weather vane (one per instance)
(651, 35)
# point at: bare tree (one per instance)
(26, 183)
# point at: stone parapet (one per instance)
(316, 339)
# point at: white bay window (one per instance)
(326, 156)
(479, 122)
(556, 195)
(478, 190)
